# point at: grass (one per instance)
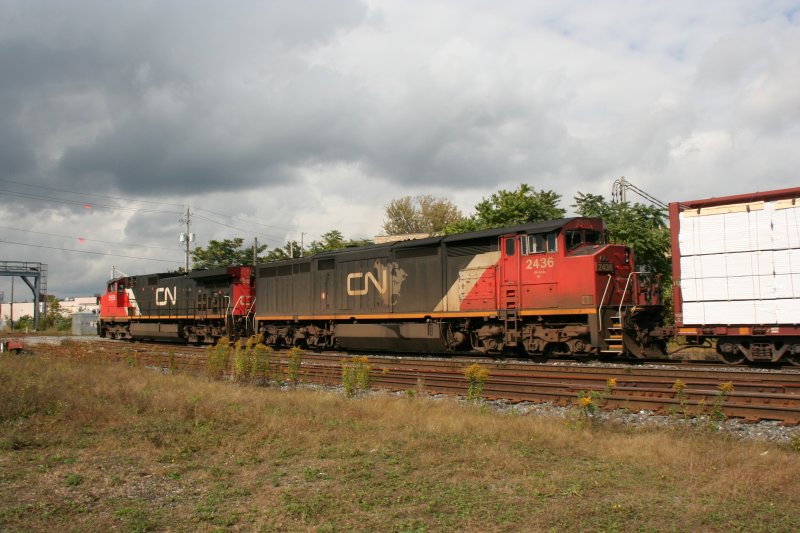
(87, 447)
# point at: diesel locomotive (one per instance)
(540, 289)
(198, 307)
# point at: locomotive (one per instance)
(541, 289)
(198, 307)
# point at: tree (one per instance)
(334, 240)
(290, 250)
(642, 227)
(508, 208)
(419, 214)
(224, 253)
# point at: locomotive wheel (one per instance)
(793, 359)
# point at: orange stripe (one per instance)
(384, 316)
(575, 311)
(156, 317)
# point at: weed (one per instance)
(242, 363)
(680, 393)
(723, 390)
(260, 371)
(476, 378)
(355, 375)
(73, 480)
(218, 358)
(294, 361)
(590, 402)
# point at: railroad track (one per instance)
(756, 394)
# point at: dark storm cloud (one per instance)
(176, 87)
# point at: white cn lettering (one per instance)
(369, 277)
(164, 296)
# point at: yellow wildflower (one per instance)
(726, 387)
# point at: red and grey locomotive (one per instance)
(198, 307)
(541, 289)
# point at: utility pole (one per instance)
(188, 237)
(255, 251)
(301, 243)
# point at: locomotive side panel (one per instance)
(363, 284)
(470, 272)
(416, 279)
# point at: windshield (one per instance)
(583, 236)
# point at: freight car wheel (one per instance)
(730, 353)
(732, 359)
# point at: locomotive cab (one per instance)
(115, 310)
(573, 293)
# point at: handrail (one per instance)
(624, 292)
(250, 312)
(600, 307)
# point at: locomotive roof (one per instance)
(200, 273)
(530, 227)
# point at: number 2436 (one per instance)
(540, 262)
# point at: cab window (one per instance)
(510, 246)
(577, 237)
(540, 243)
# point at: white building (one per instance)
(67, 307)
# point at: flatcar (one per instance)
(736, 268)
(540, 289)
(199, 307)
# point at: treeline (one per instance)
(643, 227)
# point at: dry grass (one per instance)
(92, 448)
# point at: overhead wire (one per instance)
(150, 246)
(91, 252)
(141, 209)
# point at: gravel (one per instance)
(764, 431)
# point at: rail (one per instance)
(749, 395)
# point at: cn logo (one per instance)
(359, 283)
(369, 277)
(166, 297)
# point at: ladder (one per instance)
(613, 337)
(511, 318)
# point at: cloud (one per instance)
(283, 120)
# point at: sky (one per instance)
(286, 119)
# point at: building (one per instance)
(67, 307)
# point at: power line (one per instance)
(84, 194)
(76, 202)
(88, 252)
(90, 240)
(139, 209)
